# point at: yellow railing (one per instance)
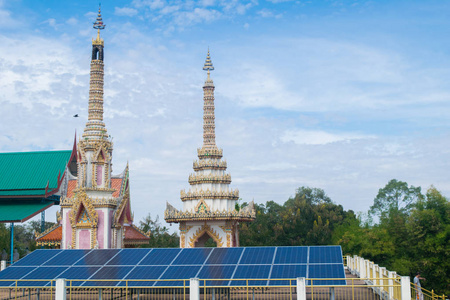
(316, 289)
(381, 275)
(424, 294)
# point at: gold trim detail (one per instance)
(208, 230)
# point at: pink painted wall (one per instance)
(68, 230)
(110, 231)
(85, 239)
(99, 175)
(100, 229)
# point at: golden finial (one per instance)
(98, 24)
(208, 64)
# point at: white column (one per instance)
(60, 290)
(355, 264)
(349, 263)
(406, 288)
(3, 265)
(374, 276)
(362, 268)
(194, 289)
(391, 276)
(301, 288)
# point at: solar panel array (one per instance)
(132, 265)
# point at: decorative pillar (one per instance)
(406, 288)
(301, 288)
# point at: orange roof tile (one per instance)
(132, 234)
(70, 187)
(54, 235)
(116, 183)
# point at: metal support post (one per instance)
(301, 288)
(406, 289)
(332, 297)
(12, 243)
(194, 289)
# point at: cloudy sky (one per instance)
(339, 95)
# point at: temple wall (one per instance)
(100, 229)
(84, 239)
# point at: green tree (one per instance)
(160, 236)
(395, 197)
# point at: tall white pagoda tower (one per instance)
(209, 207)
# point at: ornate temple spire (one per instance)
(95, 128)
(209, 127)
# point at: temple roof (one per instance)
(30, 182)
(134, 236)
(51, 237)
(32, 174)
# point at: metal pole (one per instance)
(42, 221)
(12, 243)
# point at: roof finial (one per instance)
(208, 64)
(98, 24)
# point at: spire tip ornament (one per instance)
(208, 64)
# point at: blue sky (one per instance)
(339, 95)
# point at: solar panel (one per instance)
(108, 272)
(285, 272)
(192, 256)
(258, 255)
(66, 258)
(37, 258)
(98, 257)
(41, 273)
(129, 257)
(13, 273)
(223, 256)
(79, 273)
(168, 267)
(216, 272)
(291, 255)
(330, 254)
(160, 257)
(326, 271)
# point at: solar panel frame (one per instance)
(262, 263)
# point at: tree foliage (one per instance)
(160, 236)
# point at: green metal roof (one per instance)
(20, 212)
(28, 173)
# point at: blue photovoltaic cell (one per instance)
(286, 272)
(234, 265)
(223, 256)
(98, 257)
(178, 272)
(128, 257)
(257, 256)
(66, 258)
(192, 256)
(115, 273)
(37, 257)
(214, 272)
(42, 273)
(13, 273)
(75, 273)
(291, 255)
(329, 254)
(248, 272)
(143, 273)
(326, 271)
(160, 257)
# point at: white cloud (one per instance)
(72, 21)
(125, 11)
(319, 137)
